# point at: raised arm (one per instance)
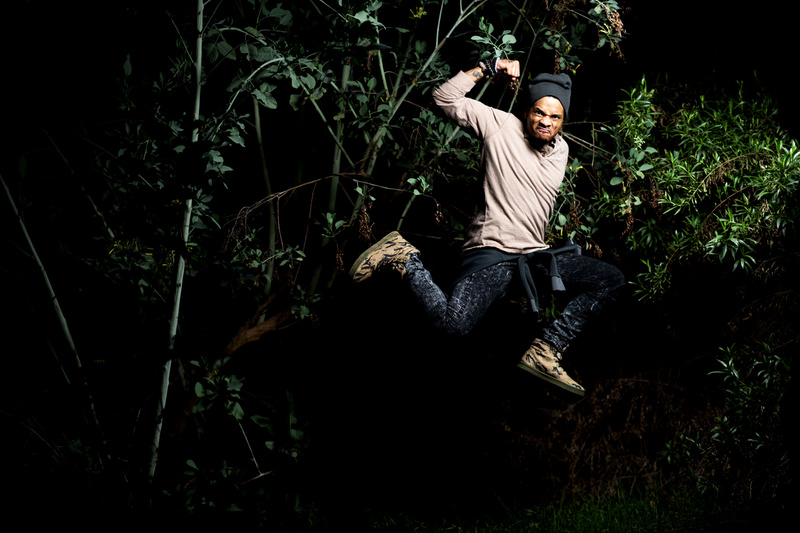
(451, 97)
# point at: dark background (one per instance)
(61, 63)
(62, 59)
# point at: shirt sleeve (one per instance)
(451, 97)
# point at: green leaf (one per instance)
(296, 101)
(236, 411)
(225, 50)
(193, 468)
(265, 99)
(309, 81)
(254, 32)
(294, 80)
(284, 17)
(235, 135)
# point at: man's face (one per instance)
(544, 118)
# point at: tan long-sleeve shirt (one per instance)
(520, 182)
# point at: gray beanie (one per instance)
(556, 85)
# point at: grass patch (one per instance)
(620, 513)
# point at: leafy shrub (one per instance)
(691, 177)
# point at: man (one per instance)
(523, 163)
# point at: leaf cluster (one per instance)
(690, 178)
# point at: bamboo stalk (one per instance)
(405, 212)
(337, 154)
(268, 184)
(181, 266)
(335, 171)
(62, 320)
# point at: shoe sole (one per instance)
(368, 251)
(541, 375)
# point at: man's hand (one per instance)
(505, 67)
(509, 68)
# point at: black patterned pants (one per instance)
(590, 285)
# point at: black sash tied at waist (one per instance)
(476, 260)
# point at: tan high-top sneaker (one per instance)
(544, 362)
(390, 253)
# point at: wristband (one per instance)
(489, 68)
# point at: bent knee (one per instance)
(454, 327)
